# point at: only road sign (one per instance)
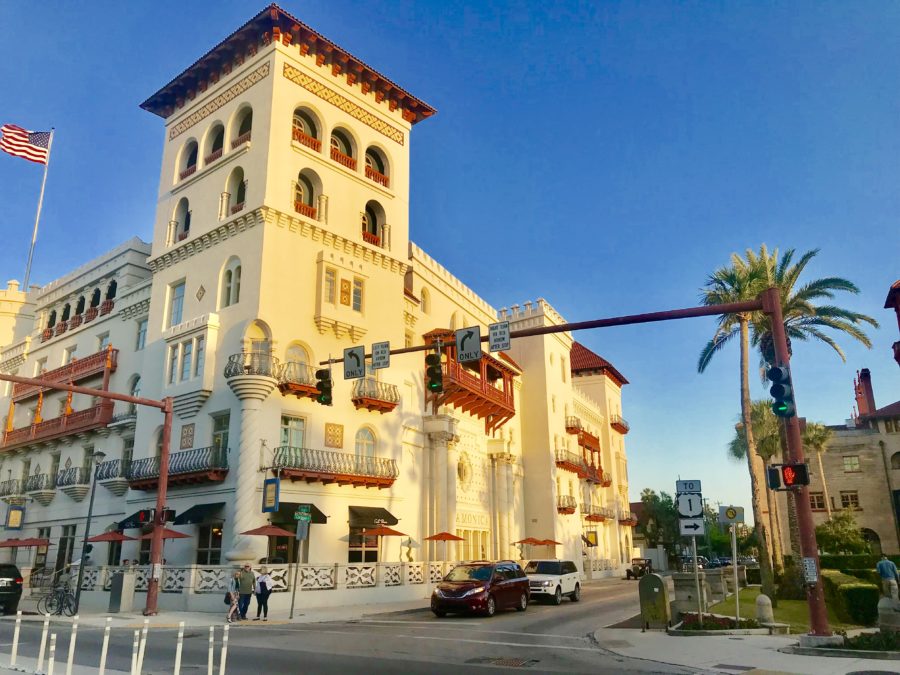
(381, 355)
(498, 336)
(692, 527)
(731, 514)
(354, 363)
(468, 344)
(683, 486)
(690, 505)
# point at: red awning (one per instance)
(443, 536)
(24, 543)
(167, 534)
(269, 531)
(111, 536)
(382, 532)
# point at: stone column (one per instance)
(245, 508)
(442, 436)
(510, 506)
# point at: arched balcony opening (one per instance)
(374, 230)
(306, 130)
(307, 189)
(377, 166)
(180, 225)
(187, 164)
(243, 125)
(215, 143)
(342, 149)
(236, 191)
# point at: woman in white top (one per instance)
(263, 589)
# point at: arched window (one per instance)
(51, 322)
(231, 283)
(297, 353)
(95, 298)
(342, 149)
(365, 443)
(246, 125)
(215, 143)
(297, 366)
(180, 227)
(373, 224)
(111, 290)
(426, 301)
(136, 392)
(237, 190)
(188, 163)
(376, 167)
(307, 189)
(305, 130)
(895, 460)
(242, 128)
(66, 311)
(79, 306)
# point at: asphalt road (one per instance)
(544, 638)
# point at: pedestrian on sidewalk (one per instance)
(264, 586)
(887, 570)
(247, 580)
(233, 596)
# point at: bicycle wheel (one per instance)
(42, 605)
(51, 603)
(68, 604)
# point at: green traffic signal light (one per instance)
(782, 391)
(434, 373)
(323, 386)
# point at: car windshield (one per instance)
(470, 573)
(543, 567)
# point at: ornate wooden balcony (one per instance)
(78, 422)
(107, 306)
(371, 238)
(573, 424)
(374, 395)
(341, 158)
(588, 440)
(252, 363)
(569, 461)
(378, 177)
(565, 504)
(325, 466)
(297, 379)
(618, 423)
(471, 387)
(190, 467)
(74, 481)
(605, 478)
(61, 328)
(213, 156)
(307, 140)
(305, 210)
(75, 321)
(91, 314)
(113, 475)
(240, 140)
(46, 334)
(73, 372)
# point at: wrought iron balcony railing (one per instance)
(565, 504)
(619, 423)
(595, 513)
(343, 468)
(188, 461)
(573, 424)
(75, 475)
(571, 462)
(11, 487)
(374, 395)
(252, 363)
(40, 481)
(114, 468)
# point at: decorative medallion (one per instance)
(187, 437)
(345, 292)
(334, 435)
(200, 293)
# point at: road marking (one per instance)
(446, 626)
(498, 642)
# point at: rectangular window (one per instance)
(40, 366)
(40, 554)
(141, 341)
(127, 452)
(201, 355)
(144, 553)
(69, 354)
(209, 545)
(102, 342)
(221, 422)
(362, 548)
(851, 463)
(292, 431)
(187, 356)
(173, 364)
(850, 500)
(408, 339)
(817, 501)
(176, 304)
(357, 295)
(330, 285)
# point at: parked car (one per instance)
(639, 567)
(552, 579)
(10, 588)
(687, 563)
(482, 587)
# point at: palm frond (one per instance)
(713, 347)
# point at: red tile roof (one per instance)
(890, 410)
(585, 361)
(895, 289)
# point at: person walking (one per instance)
(233, 595)
(247, 580)
(887, 570)
(263, 589)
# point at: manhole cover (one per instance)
(741, 669)
(504, 662)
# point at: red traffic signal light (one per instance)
(147, 516)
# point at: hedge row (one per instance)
(853, 601)
(870, 576)
(853, 562)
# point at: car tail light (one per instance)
(19, 580)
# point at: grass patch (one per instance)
(792, 612)
(692, 622)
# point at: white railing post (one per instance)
(209, 661)
(105, 648)
(40, 660)
(224, 654)
(178, 646)
(15, 644)
(134, 652)
(143, 646)
(52, 656)
(72, 639)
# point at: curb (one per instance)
(842, 653)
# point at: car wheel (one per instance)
(576, 594)
(491, 607)
(523, 603)
(557, 597)
(438, 613)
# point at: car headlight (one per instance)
(546, 582)
(437, 592)
(473, 591)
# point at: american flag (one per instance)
(31, 145)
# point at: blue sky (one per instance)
(604, 156)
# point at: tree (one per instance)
(737, 283)
(815, 438)
(840, 534)
(659, 519)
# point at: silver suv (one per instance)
(552, 579)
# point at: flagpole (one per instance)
(37, 218)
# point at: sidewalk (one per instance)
(734, 654)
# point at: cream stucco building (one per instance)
(282, 237)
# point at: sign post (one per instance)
(303, 517)
(689, 501)
(732, 515)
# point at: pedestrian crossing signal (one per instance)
(146, 516)
(787, 476)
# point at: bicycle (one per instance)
(59, 601)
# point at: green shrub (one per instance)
(853, 562)
(852, 600)
(870, 576)
(753, 576)
(888, 641)
(790, 584)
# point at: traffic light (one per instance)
(794, 475)
(773, 477)
(781, 391)
(323, 386)
(146, 516)
(434, 373)
(168, 515)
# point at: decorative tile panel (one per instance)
(210, 580)
(174, 579)
(435, 572)
(334, 435)
(392, 574)
(360, 576)
(415, 573)
(317, 578)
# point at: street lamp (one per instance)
(97, 458)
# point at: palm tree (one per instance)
(738, 283)
(815, 438)
(768, 445)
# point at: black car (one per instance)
(10, 588)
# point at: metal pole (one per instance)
(37, 218)
(697, 580)
(87, 533)
(818, 617)
(737, 588)
(156, 543)
(294, 587)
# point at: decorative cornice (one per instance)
(341, 102)
(340, 328)
(139, 308)
(188, 405)
(252, 387)
(218, 234)
(235, 90)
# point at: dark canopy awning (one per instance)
(371, 516)
(199, 513)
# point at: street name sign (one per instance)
(689, 505)
(686, 486)
(354, 362)
(498, 336)
(381, 355)
(692, 527)
(468, 344)
(731, 514)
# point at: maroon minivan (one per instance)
(482, 587)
